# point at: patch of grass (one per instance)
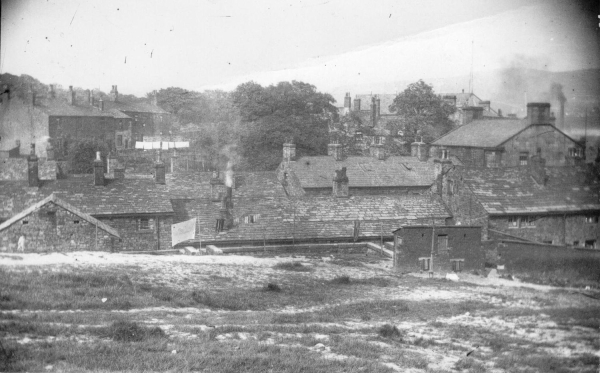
(423, 342)
(470, 364)
(128, 331)
(341, 280)
(358, 348)
(293, 266)
(389, 331)
(11, 357)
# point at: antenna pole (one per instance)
(472, 81)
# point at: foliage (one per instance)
(271, 115)
(81, 154)
(423, 113)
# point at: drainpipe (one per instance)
(157, 233)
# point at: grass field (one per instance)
(111, 312)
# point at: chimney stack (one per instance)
(32, 168)
(155, 98)
(216, 187)
(537, 169)
(52, 91)
(101, 105)
(377, 151)
(347, 101)
(226, 212)
(71, 96)
(373, 112)
(89, 97)
(335, 150)
(538, 113)
(114, 94)
(420, 150)
(357, 104)
(159, 170)
(289, 151)
(98, 170)
(33, 98)
(377, 106)
(561, 119)
(471, 113)
(341, 184)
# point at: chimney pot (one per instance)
(289, 151)
(101, 105)
(71, 96)
(98, 170)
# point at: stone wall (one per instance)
(23, 122)
(554, 229)
(52, 228)
(464, 243)
(554, 146)
(158, 236)
(16, 169)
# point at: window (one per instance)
(591, 219)
(425, 263)
(575, 243)
(575, 152)
(590, 244)
(25, 222)
(220, 225)
(528, 221)
(523, 158)
(490, 159)
(450, 188)
(442, 243)
(549, 242)
(144, 224)
(358, 137)
(119, 140)
(444, 153)
(251, 218)
(51, 216)
(379, 140)
(75, 221)
(513, 222)
(457, 264)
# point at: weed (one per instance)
(293, 266)
(390, 332)
(272, 287)
(128, 331)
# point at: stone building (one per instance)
(552, 205)
(445, 248)
(469, 107)
(510, 142)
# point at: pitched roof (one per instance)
(396, 171)
(117, 197)
(137, 107)
(57, 201)
(311, 217)
(513, 191)
(60, 107)
(486, 133)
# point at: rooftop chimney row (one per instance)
(71, 96)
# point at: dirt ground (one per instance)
(540, 320)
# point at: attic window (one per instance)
(513, 222)
(575, 152)
(444, 153)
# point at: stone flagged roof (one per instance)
(311, 217)
(514, 191)
(137, 107)
(52, 199)
(60, 107)
(396, 171)
(249, 184)
(117, 197)
(486, 133)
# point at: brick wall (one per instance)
(52, 228)
(413, 243)
(16, 169)
(136, 239)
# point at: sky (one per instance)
(337, 45)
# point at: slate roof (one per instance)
(57, 201)
(249, 184)
(513, 191)
(117, 197)
(397, 171)
(486, 133)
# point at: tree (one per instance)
(81, 154)
(271, 115)
(422, 112)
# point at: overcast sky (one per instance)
(146, 45)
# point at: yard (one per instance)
(101, 312)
